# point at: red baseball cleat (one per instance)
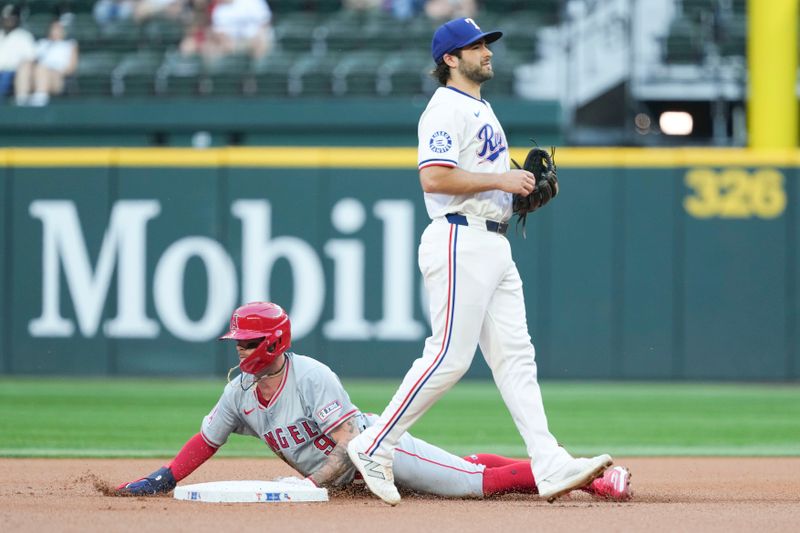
(613, 485)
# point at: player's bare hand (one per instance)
(517, 181)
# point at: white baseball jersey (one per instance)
(456, 130)
(474, 289)
(311, 402)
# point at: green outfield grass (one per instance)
(154, 417)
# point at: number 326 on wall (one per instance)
(735, 193)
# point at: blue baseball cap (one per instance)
(456, 34)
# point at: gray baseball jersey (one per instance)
(309, 403)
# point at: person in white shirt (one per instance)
(240, 26)
(17, 47)
(56, 58)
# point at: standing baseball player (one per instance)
(299, 408)
(474, 288)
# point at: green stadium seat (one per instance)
(280, 7)
(404, 74)
(135, 75)
(270, 75)
(295, 35)
(311, 75)
(348, 30)
(93, 75)
(226, 74)
(548, 11)
(85, 29)
(38, 24)
(161, 33)
(342, 37)
(420, 31)
(519, 35)
(356, 73)
(392, 38)
(180, 75)
(123, 36)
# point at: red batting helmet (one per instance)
(256, 320)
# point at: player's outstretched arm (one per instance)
(455, 180)
(159, 482)
(337, 462)
(195, 452)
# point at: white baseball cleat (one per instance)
(378, 477)
(573, 475)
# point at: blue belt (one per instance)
(491, 225)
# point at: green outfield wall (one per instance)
(651, 264)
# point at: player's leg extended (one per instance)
(507, 348)
(504, 474)
(423, 467)
(459, 282)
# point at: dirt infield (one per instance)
(683, 494)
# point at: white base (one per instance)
(250, 492)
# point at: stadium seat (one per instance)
(404, 74)
(227, 73)
(161, 34)
(548, 11)
(180, 75)
(84, 29)
(93, 75)
(355, 74)
(295, 31)
(322, 49)
(419, 32)
(387, 38)
(519, 36)
(341, 37)
(38, 24)
(311, 75)
(295, 37)
(135, 75)
(270, 76)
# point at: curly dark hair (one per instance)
(442, 72)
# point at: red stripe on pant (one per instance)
(447, 329)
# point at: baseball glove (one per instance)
(542, 164)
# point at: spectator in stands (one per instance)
(17, 47)
(239, 26)
(404, 9)
(440, 10)
(107, 12)
(56, 58)
(198, 26)
(147, 9)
